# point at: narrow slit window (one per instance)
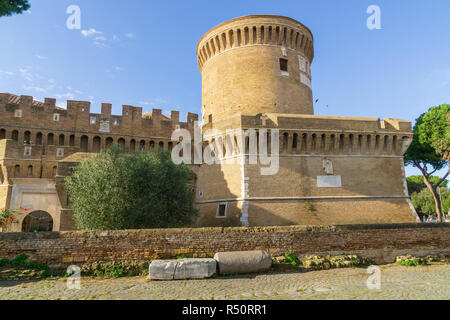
(283, 65)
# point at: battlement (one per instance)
(24, 106)
(254, 30)
(323, 135)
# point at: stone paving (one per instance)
(397, 282)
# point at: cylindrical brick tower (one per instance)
(256, 64)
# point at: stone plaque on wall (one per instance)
(305, 80)
(329, 182)
(104, 125)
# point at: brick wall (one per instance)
(380, 243)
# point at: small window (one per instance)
(93, 120)
(200, 192)
(222, 210)
(210, 118)
(284, 65)
(27, 151)
(17, 171)
(18, 113)
(56, 117)
(59, 152)
(116, 122)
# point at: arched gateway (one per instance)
(37, 221)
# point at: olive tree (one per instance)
(114, 190)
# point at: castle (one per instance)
(255, 75)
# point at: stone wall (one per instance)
(381, 243)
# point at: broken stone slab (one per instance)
(240, 262)
(162, 269)
(182, 269)
(195, 269)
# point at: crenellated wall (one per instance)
(331, 170)
(36, 136)
(23, 111)
(255, 30)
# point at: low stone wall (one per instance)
(380, 243)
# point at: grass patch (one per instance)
(22, 268)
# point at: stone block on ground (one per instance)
(195, 268)
(162, 269)
(182, 269)
(240, 262)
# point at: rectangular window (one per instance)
(59, 152)
(93, 120)
(222, 210)
(27, 151)
(56, 117)
(283, 65)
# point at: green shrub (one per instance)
(293, 259)
(116, 191)
(126, 268)
(21, 261)
(409, 262)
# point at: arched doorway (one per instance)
(37, 221)
(97, 145)
(84, 143)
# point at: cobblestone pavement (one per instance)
(397, 282)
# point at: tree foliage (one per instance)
(417, 184)
(10, 7)
(434, 130)
(430, 148)
(114, 190)
(424, 204)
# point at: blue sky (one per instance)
(144, 53)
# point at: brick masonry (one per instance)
(381, 243)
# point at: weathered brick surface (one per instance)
(378, 242)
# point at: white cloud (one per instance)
(61, 104)
(68, 96)
(8, 73)
(100, 38)
(90, 32)
(37, 89)
(40, 57)
(156, 102)
(73, 90)
(130, 35)
(26, 73)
